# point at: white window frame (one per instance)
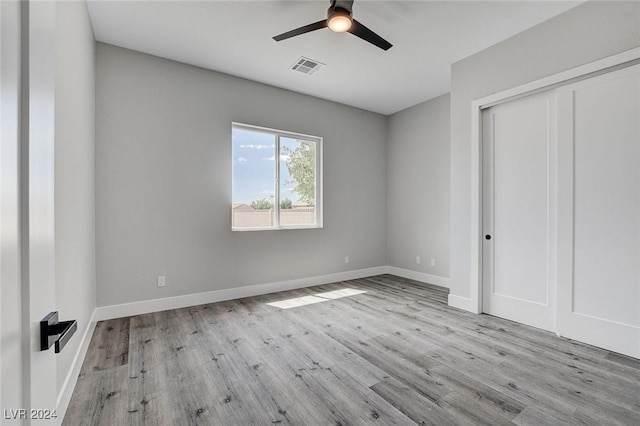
(276, 203)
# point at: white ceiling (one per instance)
(234, 37)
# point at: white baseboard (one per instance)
(176, 302)
(419, 276)
(460, 302)
(65, 394)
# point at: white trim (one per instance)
(419, 276)
(476, 211)
(460, 302)
(546, 83)
(66, 392)
(183, 301)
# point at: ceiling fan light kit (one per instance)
(340, 20)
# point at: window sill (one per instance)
(282, 228)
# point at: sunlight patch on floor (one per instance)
(316, 298)
(296, 302)
(337, 294)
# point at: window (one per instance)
(276, 179)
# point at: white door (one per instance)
(599, 207)
(519, 202)
(39, 254)
(10, 284)
(26, 221)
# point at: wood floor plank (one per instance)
(569, 378)
(110, 346)
(412, 404)
(537, 414)
(394, 353)
(624, 360)
(355, 404)
(304, 367)
(240, 365)
(232, 374)
(99, 398)
(148, 397)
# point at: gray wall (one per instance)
(418, 187)
(74, 173)
(581, 35)
(163, 181)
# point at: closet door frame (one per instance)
(619, 61)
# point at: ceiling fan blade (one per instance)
(302, 30)
(359, 30)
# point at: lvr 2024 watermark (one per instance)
(32, 414)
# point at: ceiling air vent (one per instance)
(306, 65)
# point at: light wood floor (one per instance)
(396, 354)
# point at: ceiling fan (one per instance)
(339, 20)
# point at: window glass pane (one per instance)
(276, 179)
(254, 171)
(297, 182)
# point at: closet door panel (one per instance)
(599, 275)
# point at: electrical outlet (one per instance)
(433, 261)
(161, 281)
(346, 259)
(418, 260)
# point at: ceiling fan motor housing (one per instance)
(337, 11)
(346, 5)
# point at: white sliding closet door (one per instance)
(519, 205)
(599, 211)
